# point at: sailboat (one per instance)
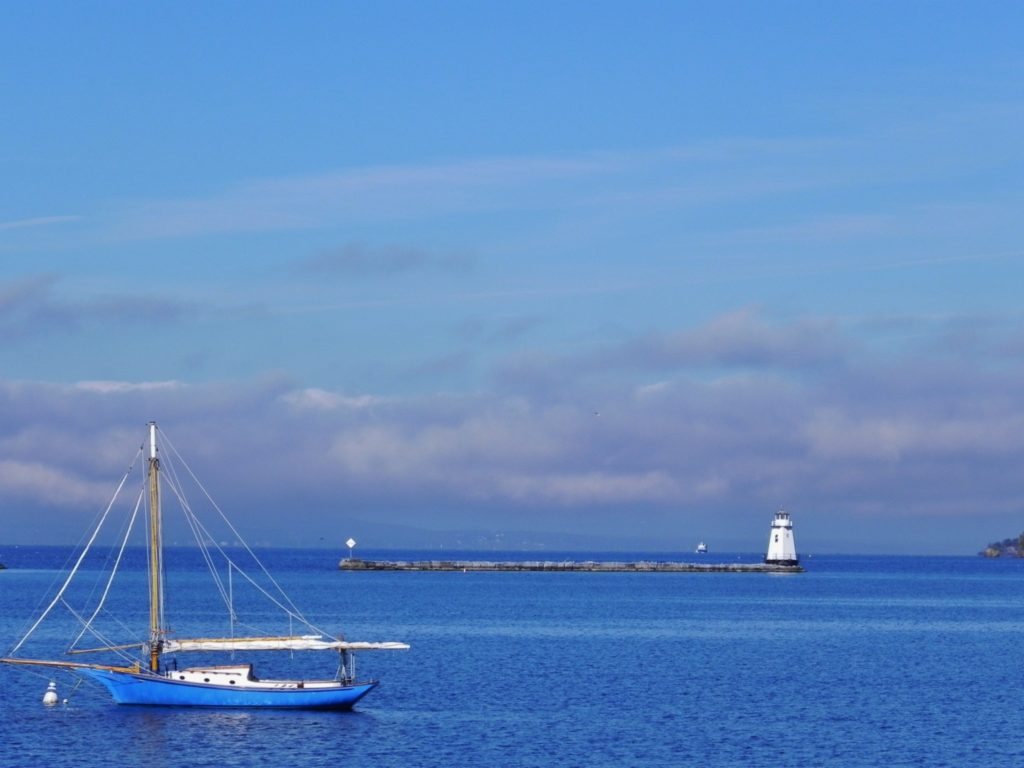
(154, 677)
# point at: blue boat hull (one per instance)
(151, 690)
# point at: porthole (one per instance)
(206, 679)
(181, 677)
(232, 682)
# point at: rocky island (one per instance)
(1005, 548)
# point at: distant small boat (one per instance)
(702, 548)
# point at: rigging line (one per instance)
(238, 536)
(292, 611)
(67, 561)
(78, 563)
(48, 675)
(111, 646)
(202, 535)
(94, 632)
(283, 607)
(78, 683)
(256, 630)
(113, 571)
(197, 533)
(193, 521)
(112, 555)
(129, 631)
(97, 634)
(288, 611)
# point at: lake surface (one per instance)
(860, 661)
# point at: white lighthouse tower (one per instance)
(781, 546)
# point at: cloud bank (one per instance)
(709, 427)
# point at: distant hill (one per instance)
(1005, 548)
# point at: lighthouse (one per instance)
(781, 546)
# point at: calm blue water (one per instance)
(861, 661)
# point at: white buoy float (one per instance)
(50, 697)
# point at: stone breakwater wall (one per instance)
(587, 566)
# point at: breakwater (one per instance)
(586, 566)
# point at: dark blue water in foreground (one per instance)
(860, 661)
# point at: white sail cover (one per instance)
(296, 643)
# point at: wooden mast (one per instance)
(155, 555)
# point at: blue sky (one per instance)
(640, 271)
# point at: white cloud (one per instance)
(638, 181)
(121, 387)
(314, 398)
(841, 435)
(852, 437)
(351, 195)
(39, 482)
(588, 488)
